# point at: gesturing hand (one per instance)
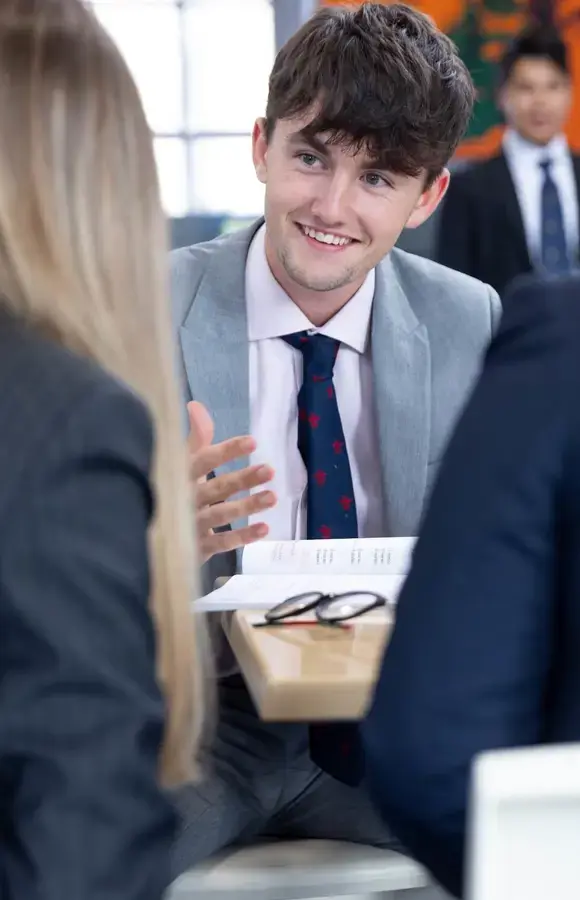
(214, 506)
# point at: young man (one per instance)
(364, 110)
(518, 212)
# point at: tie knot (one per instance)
(546, 165)
(319, 353)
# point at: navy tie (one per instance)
(331, 511)
(554, 251)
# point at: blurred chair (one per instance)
(525, 825)
(298, 870)
(198, 228)
(194, 229)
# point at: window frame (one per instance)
(187, 134)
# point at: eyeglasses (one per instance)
(329, 609)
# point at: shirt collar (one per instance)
(515, 145)
(271, 312)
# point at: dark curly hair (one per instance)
(379, 77)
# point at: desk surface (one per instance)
(310, 672)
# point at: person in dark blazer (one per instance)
(97, 706)
(518, 212)
(484, 653)
(81, 715)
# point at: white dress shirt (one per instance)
(523, 159)
(275, 373)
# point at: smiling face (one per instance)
(331, 214)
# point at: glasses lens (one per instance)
(348, 606)
(293, 606)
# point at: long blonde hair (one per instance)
(83, 257)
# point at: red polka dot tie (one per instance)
(331, 512)
(331, 507)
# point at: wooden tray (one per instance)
(310, 673)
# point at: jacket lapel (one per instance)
(214, 340)
(402, 377)
(505, 189)
(576, 165)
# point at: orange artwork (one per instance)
(481, 29)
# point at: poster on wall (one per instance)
(481, 29)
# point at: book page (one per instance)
(265, 591)
(363, 556)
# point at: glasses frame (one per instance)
(318, 602)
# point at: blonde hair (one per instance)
(83, 257)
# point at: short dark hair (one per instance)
(538, 42)
(379, 77)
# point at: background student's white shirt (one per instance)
(523, 159)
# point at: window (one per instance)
(202, 68)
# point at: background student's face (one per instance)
(536, 99)
(331, 214)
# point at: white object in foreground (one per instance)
(524, 842)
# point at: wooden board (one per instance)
(310, 673)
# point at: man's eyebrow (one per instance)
(378, 162)
(299, 138)
(302, 138)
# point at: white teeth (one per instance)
(325, 238)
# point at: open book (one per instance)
(272, 571)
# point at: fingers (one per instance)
(210, 544)
(212, 497)
(201, 428)
(221, 488)
(226, 513)
(207, 459)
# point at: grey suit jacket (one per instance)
(430, 328)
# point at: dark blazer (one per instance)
(81, 717)
(481, 229)
(485, 651)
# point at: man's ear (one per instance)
(429, 200)
(260, 150)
